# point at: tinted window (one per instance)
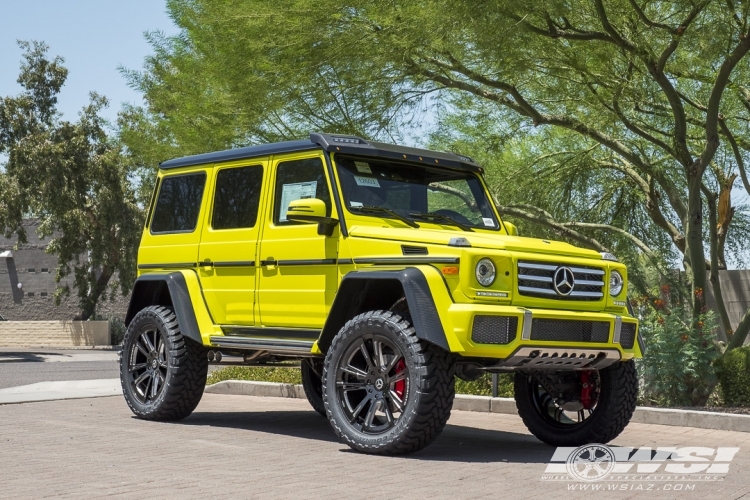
(296, 180)
(179, 203)
(237, 197)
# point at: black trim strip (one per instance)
(336, 198)
(409, 260)
(307, 262)
(270, 333)
(239, 263)
(170, 265)
(346, 262)
(301, 262)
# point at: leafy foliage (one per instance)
(289, 375)
(72, 177)
(483, 385)
(678, 370)
(733, 371)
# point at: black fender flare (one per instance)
(353, 291)
(168, 290)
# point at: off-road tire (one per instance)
(312, 383)
(431, 387)
(615, 407)
(187, 367)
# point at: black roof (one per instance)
(336, 143)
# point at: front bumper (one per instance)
(607, 341)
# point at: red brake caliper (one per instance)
(586, 390)
(400, 387)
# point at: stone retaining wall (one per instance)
(54, 333)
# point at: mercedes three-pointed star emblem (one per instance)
(563, 281)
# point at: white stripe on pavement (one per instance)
(72, 389)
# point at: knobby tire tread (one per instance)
(188, 365)
(436, 386)
(619, 405)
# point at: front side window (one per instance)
(299, 179)
(179, 203)
(414, 192)
(237, 197)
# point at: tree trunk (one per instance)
(694, 239)
(90, 302)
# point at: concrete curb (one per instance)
(263, 389)
(464, 402)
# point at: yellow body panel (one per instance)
(229, 286)
(295, 295)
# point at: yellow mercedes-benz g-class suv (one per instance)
(386, 271)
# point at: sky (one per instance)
(95, 37)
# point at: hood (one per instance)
(477, 239)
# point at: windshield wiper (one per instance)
(384, 211)
(432, 217)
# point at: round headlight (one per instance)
(615, 283)
(485, 272)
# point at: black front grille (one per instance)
(536, 279)
(627, 335)
(494, 329)
(565, 330)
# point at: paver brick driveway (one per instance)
(247, 447)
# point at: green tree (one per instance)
(71, 176)
(635, 111)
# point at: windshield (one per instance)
(419, 193)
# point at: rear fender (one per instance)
(179, 291)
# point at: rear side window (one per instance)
(237, 197)
(179, 203)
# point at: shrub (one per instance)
(483, 385)
(289, 375)
(117, 328)
(677, 369)
(733, 371)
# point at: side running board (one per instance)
(273, 346)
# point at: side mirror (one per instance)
(312, 210)
(511, 228)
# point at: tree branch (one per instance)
(607, 227)
(648, 22)
(540, 216)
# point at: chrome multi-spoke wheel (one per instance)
(147, 363)
(162, 372)
(580, 407)
(386, 390)
(372, 383)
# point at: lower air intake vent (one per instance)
(627, 335)
(563, 330)
(494, 329)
